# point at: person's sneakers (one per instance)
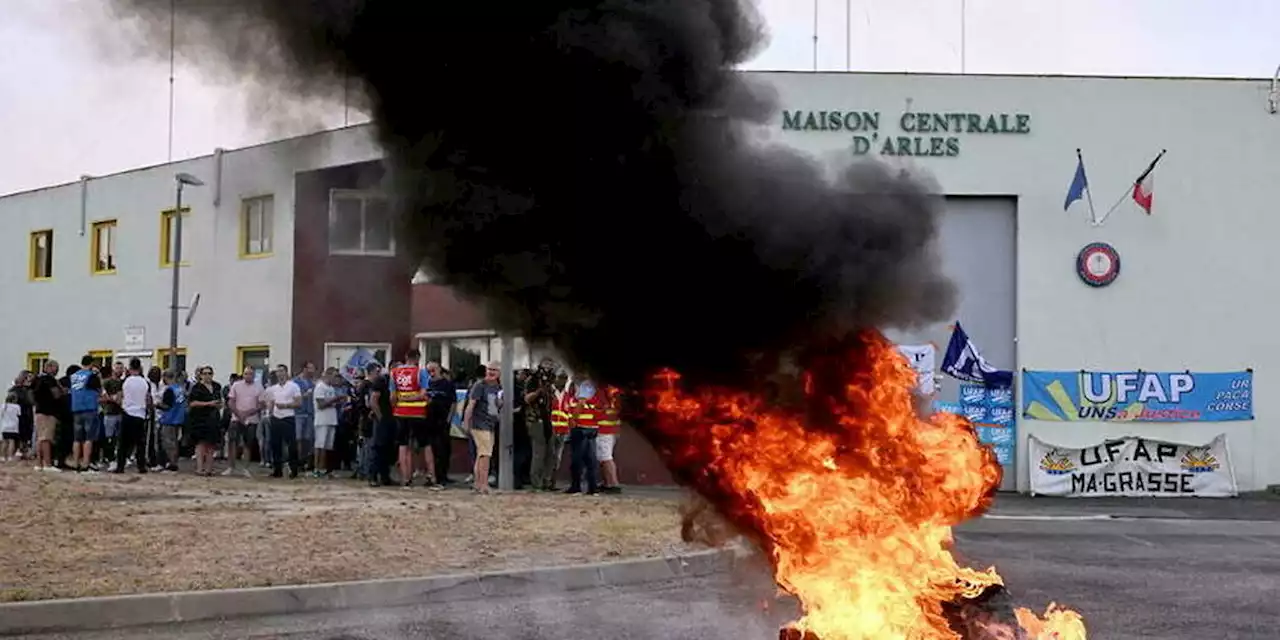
(246, 472)
(572, 490)
(293, 472)
(229, 471)
(611, 490)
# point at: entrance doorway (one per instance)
(978, 243)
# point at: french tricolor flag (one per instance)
(1144, 186)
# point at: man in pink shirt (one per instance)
(245, 400)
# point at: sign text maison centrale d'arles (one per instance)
(919, 134)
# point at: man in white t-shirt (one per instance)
(286, 397)
(326, 400)
(135, 401)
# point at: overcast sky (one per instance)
(66, 109)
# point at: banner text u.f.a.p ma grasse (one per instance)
(1137, 396)
(1132, 467)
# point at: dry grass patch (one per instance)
(67, 535)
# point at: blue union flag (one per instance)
(964, 362)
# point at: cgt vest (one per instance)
(560, 413)
(597, 410)
(408, 384)
(611, 421)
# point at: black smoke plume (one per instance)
(596, 173)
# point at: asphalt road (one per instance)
(1141, 578)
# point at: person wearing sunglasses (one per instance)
(204, 402)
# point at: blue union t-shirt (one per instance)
(308, 407)
(85, 389)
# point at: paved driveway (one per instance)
(1143, 578)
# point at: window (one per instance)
(360, 223)
(342, 354)
(256, 225)
(36, 361)
(103, 358)
(102, 251)
(256, 356)
(168, 241)
(41, 259)
(162, 356)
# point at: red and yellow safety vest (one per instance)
(407, 385)
(600, 411)
(560, 413)
(611, 421)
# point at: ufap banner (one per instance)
(1133, 467)
(990, 410)
(1137, 396)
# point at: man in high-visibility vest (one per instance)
(409, 406)
(586, 405)
(609, 426)
(559, 426)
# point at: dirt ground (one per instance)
(69, 535)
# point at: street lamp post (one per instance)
(182, 179)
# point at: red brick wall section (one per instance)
(342, 298)
(437, 308)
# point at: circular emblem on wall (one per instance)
(1098, 264)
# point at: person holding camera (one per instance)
(538, 398)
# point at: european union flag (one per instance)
(1079, 183)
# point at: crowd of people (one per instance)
(389, 426)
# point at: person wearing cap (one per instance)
(480, 419)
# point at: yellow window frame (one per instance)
(245, 206)
(103, 357)
(32, 268)
(244, 349)
(95, 246)
(166, 228)
(36, 360)
(162, 354)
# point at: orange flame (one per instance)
(855, 513)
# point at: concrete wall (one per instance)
(243, 301)
(1195, 291)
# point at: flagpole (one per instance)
(815, 35)
(1128, 191)
(1098, 223)
(1088, 192)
